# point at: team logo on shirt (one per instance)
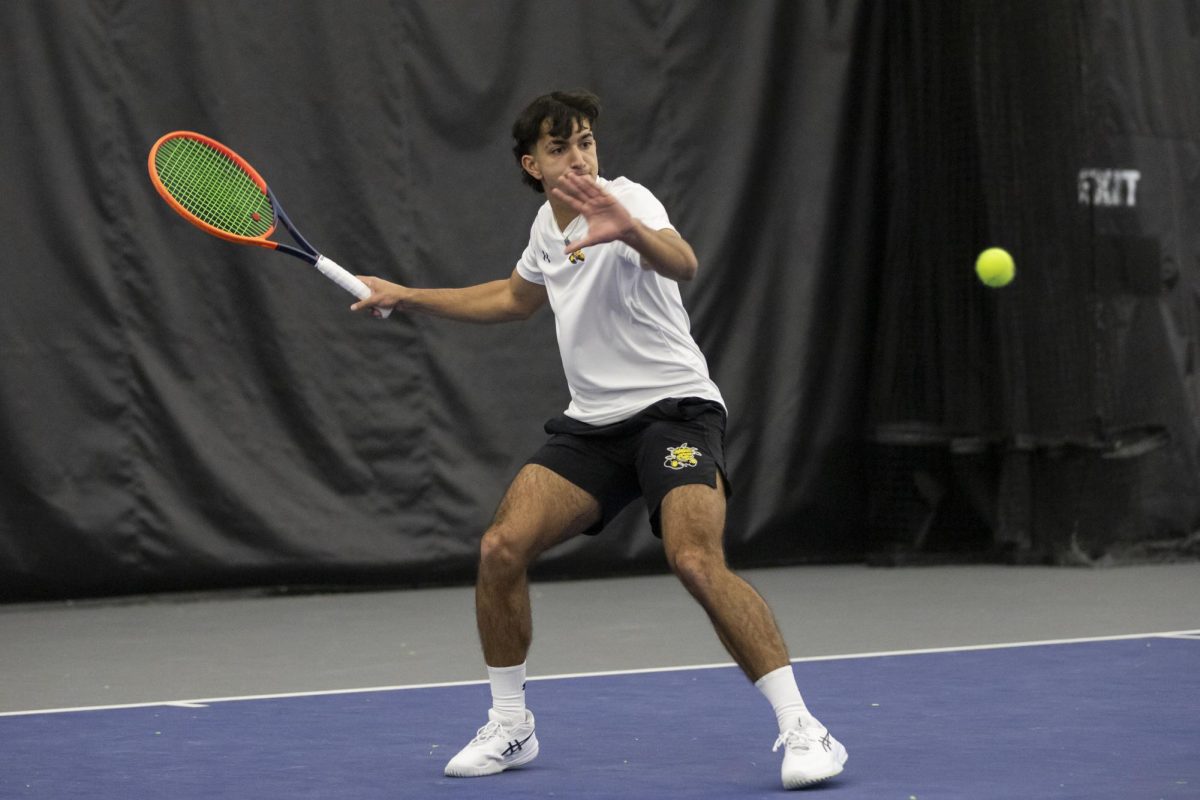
(576, 257)
(681, 456)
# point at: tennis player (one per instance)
(644, 419)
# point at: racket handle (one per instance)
(332, 270)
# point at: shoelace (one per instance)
(793, 739)
(493, 730)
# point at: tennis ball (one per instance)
(995, 267)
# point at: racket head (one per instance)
(213, 188)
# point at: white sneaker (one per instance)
(497, 746)
(810, 755)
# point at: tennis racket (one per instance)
(216, 190)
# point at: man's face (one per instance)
(552, 157)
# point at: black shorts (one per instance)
(675, 442)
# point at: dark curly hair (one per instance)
(563, 109)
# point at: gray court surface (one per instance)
(160, 649)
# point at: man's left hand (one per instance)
(607, 219)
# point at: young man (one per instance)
(644, 419)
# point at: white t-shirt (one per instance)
(623, 334)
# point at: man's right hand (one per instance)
(384, 294)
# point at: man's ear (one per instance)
(529, 164)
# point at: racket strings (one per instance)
(213, 188)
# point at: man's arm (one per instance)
(663, 251)
(495, 301)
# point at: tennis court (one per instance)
(1095, 716)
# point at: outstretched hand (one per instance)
(607, 219)
(384, 295)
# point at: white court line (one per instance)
(202, 703)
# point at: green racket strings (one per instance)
(213, 188)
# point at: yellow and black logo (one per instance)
(576, 257)
(681, 456)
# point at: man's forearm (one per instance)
(664, 252)
(485, 302)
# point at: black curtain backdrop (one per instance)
(1055, 419)
(178, 413)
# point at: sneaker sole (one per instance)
(809, 781)
(494, 768)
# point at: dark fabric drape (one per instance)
(179, 413)
(1056, 418)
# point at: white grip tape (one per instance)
(332, 270)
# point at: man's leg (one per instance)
(539, 510)
(693, 526)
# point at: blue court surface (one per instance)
(1109, 718)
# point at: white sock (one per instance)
(781, 691)
(508, 691)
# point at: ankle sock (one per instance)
(508, 691)
(780, 689)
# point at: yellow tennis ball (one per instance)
(995, 267)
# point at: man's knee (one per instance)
(697, 567)
(503, 548)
